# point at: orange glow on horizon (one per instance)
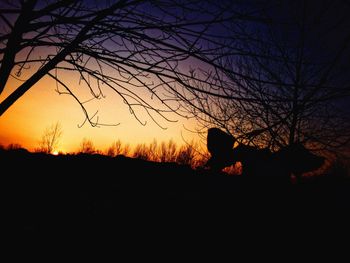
(25, 121)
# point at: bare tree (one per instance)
(126, 150)
(141, 151)
(290, 82)
(140, 50)
(188, 155)
(168, 151)
(50, 139)
(115, 149)
(153, 150)
(87, 146)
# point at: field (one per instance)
(82, 193)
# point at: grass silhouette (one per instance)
(68, 192)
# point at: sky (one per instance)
(25, 122)
(42, 106)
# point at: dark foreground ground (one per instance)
(91, 193)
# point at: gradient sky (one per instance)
(42, 106)
(25, 121)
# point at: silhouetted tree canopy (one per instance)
(51, 138)
(289, 83)
(272, 73)
(141, 50)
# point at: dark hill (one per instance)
(74, 192)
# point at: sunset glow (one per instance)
(155, 113)
(127, 98)
(25, 122)
(144, 71)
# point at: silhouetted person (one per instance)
(220, 146)
(293, 159)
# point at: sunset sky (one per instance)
(42, 106)
(145, 58)
(25, 122)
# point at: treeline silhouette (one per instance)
(166, 151)
(86, 192)
(191, 154)
(188, 153)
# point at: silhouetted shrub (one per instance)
(141, 152)
(87, 147)
(168, 151)
(14, 146)
(115, 149)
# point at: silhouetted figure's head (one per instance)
(220, 145)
